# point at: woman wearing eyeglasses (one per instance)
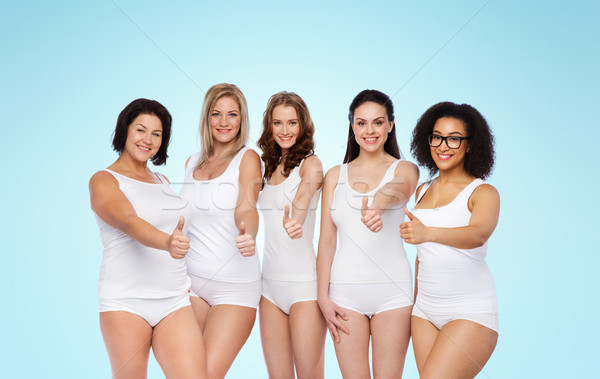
(455, 317)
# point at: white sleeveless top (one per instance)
(132, 270)
(363, 256)
(212, 230)
(453, 280)
(286, 259)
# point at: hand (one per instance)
(178, 243)
(370, 217)
(413, 232)
(332, 315)
(291, 226)
(245, 242)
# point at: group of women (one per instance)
(180, 273)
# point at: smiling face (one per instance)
(285, 127)
(444, 157)
(225, 120)
(144, 137)
(371, 126)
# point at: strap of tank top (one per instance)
(343, 178)
(466, 193)
(235, 162)
(426, 186)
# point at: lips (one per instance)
(370, 140)
(444, 157)
(223, 131)
(143, 148)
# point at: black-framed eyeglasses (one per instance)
(453, 142)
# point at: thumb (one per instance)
(286, 214)
(180, 224)
(410, 215)
(242, 228)
(365, 205)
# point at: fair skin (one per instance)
(461, 348)
(226, 327)
(128, 337)
(388, 331)
(298, 339)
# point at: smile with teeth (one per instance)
(223, 131)
(444, 156)
(285, 138)
(370, 139)
(143, 148)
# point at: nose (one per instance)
(147, 138)
(370, 127)
(285, 129)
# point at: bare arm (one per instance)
(246, 215)
(326, 251)
(113, 207)
(311, 175)
(485, 209)
(397, 191)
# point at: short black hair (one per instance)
(136, 108)
(480, 159)
(377, 97)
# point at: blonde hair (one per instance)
(213, 94)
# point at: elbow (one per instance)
(479, 241)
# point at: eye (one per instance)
(361, 123)
(379, 123)
(215, 114)
(436, 138)
(453, 139)
(140, 130)
(233, 115)
(156, 134)
(276, 123)
(294, 123)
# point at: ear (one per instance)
(391, 127)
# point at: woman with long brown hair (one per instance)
(292, 327)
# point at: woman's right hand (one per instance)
(178, 243)
(331, 311)
(291, 226)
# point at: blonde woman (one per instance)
(223, 181)
(292, 328)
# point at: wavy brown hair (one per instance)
(304, 146)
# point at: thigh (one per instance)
(308, 339)
(424, 334)
(127, 338)
(226, 330)
(178, 346)
(200, 309)
(390, 334)
(353, 349)
(461, 350)
(276, 340)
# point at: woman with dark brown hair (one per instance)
(291, 325)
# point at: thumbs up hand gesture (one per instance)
(413, 231)
(178, 243)
(370, 217)
(245, 242)
(291, 226)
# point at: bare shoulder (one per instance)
(485, 193)
(418, 191)
(102, 179)
(406, 168)
(250, 158)
(310, 165)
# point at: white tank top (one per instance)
(286, 259)
(458, 275)
(213, 253)
(363, 256)
(132, 270)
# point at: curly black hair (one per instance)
(480, 159)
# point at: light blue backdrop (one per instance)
(69, 67)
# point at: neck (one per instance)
(220, 150)
(125, 162)
(371, 158)
(457, 174)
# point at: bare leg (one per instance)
(461, 350)
(308, 339)
(200, 308)
(424, 334)
(127, 338)
(390, 333)
(353, 350)
(276, 340)
(226, 329)
(178, 346)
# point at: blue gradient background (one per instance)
(69, 67)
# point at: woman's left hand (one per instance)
(245, 242)
(370, 217)
(413, 231)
